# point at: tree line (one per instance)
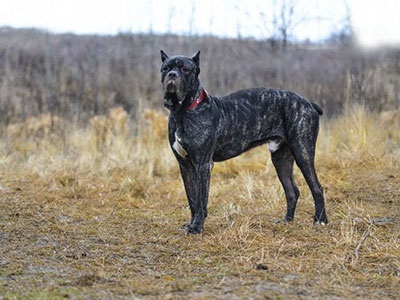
(77, 77)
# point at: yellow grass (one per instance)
(96, 212)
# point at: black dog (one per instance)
(204, 129)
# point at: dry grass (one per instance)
(95, 213)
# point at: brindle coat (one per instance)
(218, 128)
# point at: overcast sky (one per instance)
(374, 21)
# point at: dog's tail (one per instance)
(317, 108)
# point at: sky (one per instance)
(374, 22)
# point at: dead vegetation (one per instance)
(95, 213)
(78, 77)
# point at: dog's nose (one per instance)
(172, 75)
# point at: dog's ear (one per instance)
(164, 55)
(196, 59)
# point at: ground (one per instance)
(103, 222)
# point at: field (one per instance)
(95, 213)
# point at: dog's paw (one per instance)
(192, 229)
(189, 228)
(286, 220)
(323, 222)
(283, 221)
(320, 223)
(185, 226)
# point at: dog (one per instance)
(204, 129)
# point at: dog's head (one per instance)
(180, 79)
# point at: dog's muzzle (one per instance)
(171, 87)
(173, 92)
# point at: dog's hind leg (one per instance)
(304, 153)
(283, 161)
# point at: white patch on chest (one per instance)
(178, 147)
(273, 146)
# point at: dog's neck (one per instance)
(194, 101)
(200, 96)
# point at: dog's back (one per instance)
(256, 116)
(268, 96)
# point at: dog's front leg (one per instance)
(199, 205)
(189, 178)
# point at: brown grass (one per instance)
(95, 213)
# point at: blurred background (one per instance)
(77, 59)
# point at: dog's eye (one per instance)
(185, 69)
(164, 69)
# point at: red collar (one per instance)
(198, 100)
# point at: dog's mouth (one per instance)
(173, 95)
(171, 87)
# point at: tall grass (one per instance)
(356, 138)
(361, 137)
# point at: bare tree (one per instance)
(283, 20)
(192, 19)
(347, 30)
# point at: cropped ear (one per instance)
(164, 55)
(196, 59)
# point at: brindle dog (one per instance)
(204, 129)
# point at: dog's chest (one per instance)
(177, 145)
